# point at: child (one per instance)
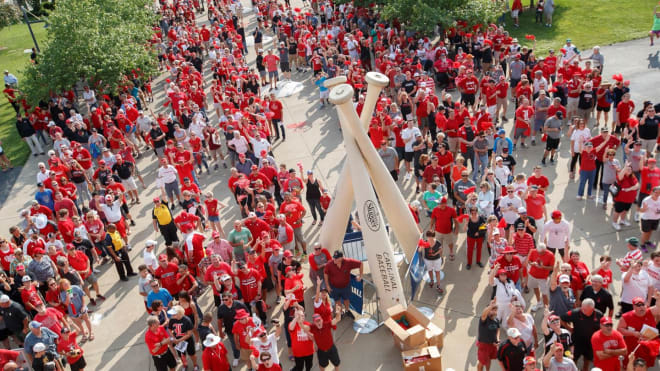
(68, 346)
(324, 92)
(519, 185)
(604, 270)
(539, 11)
(186, 281)
(143, 284)
(634, 254)
(325, 200)
(206, 326)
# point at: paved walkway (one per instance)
(120, 321)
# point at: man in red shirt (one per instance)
(523, 126)
(65, 226)
(537, 178)
(631, 323)
(294, 212)
(624, 110)
(444, 222)
(468, 87)
(535, 205)
(81, 264)
(271, 61)
(608, 344)
(321, 332)
(213, 276)
(276, 107)
(650, 178)
(166, 273)
(157, 340)
(601, 144)
(540, 263)
(510, 263)
(337, 274)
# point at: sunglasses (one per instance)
(609, 325)
(640, 304)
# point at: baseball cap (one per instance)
(225, 277)
(513, 332)
(287, 254)
(252, 214)
(522, 210)
(39, 251)
(162, 257)
(606, 321)
(215, 234)
(338, 254)
(509, 250)
(150, 243)
(501, 271)
(35, 324)
(156, 199)
(529, 360)
(556, 214)
(553, 317)
(4, 299)
(653, 160)
(38, 347)
(443, 200)
(564, 279)
(633, 241)
(637, 300)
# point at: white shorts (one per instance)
(433, 265)
(324, 94)
(491, 110)
(537, 283)
(571, 104)
(514, 13)
(129, 184)
(217, 105)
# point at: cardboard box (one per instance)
(434, 335)
(431, 359)
(415, 336)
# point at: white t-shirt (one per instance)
(410, 133)
(502, 174)
(259, 145)
(637, 286)
(580, 137)
(113, 212)
(89, 96)
(510, 215)
(269, 346)
(566, 364)
(150, 259)
(167, 175)
(240, 144)
(556, 234)
(653, 208)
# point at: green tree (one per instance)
(424, 15)
(9, 15)
(98, 41)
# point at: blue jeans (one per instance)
(586, 175)
(606, 192)
(234, 348)
(480, 163)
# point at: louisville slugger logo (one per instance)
(371, 215)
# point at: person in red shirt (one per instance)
(276, 107)
(468, 86)
(524, 115)
(212, 208)
(537, 178)
(624, 110)
(302, 345)
(293, 283)
(29, 295)
(51, 318)
(337, 276)
(650, 178)
(445, 224)
(267, 364)
(81, 264)
(608, 344)
(166, 273)
(579, 273)
(294, 212)
(535, 205)
(6, 254)
(242, 329)
(631, 323)
(510, 263)
(321, 332)
(214, 356)
(540, 262)
(68, 346)
(628, 186)
(158, 341)
(213, 276)
(587, 170)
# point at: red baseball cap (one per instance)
(501, 271)
(162, 257)
(70, 246)
(556, 214)
(637, 300)
(606, 321)
(287, 254)
(39, 251)
(215, 234)
(156, 199)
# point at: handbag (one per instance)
(614, 189)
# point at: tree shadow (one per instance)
(654, 60)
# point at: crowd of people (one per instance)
(442, 121)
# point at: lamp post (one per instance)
(29, 24)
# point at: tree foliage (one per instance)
(425, 15)
(97, 41)
(9, 15)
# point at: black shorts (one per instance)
(78, 365)
(620, 207)
(649, 225)
(4, 334)
(468, 99)
(284, 67)
(164, 362)
(190, 349)
(408, 156)
(514, 82)
(618, 129)
(603, 109)
(551, 144)
(329, 356)
(583, 351)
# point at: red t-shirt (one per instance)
(212, 207)
(212, 271)
(650, 179)
(523, 244)
(607, 276)
(296, 280)
(535, 205)
(7, 257)
(580, 272)
(588, 160)
(469, 85)
(293, 211)
(29, 295)
(7, 355)
(443, 219)
(151, 338)
(599, 342)
(512, 267)
(541, 181)
(249, 283)
(626, 196)
(51, 320)
(624, 110)
(241, 329)
(301, 344)
(340, 277)
(546, 259)
(215, 358)
(524, 113)
(68, 343)
(167, 277)
(322, 336)
(634, 322)
(270, 60)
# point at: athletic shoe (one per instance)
(636, 217)
(616, 226)
(234, 363)
(537, 306)
(625, 222)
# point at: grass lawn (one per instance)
(13, 41)
(587, 23)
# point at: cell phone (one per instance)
(275, 322)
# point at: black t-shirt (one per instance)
(260, 63)
(487, 332)
(603, 298)
(83, 245)
(409, 85)
(519, 221)
(227, 314)
(473, 227)
(124, 170)
(512, 356)
(583, 326)
(432, 250)
(648, 129)
(179, 327)
(155, 133)
(586, 100)
(13, 317)
(508, 161)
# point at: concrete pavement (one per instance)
(120, 321)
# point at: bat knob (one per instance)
(329, 83)
(341, 94)
(377, 79)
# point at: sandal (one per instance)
(440, 291)
(84, 339)
(314, 222)
(91, 337)
(451, 257)
(431, 284)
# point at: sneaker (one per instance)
(407, 177)
(578, 197)
(552, 161)
(96, 270)
(537, 306)
(592, 197)
(92, 301)
(644, 249)
(650, 245)
(350, 314)
(129, 247)
(543, 162)
(468, 267)
(616, 226)
(197, 347)
(234, 363)
(636, 217)
(480, 264)
(625, 222)
(100, 297)
(278, 300)
(533, 142)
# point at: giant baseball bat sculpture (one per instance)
(380, 255)
(394, 205)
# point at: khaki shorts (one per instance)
(538, 283)
(445, 239)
